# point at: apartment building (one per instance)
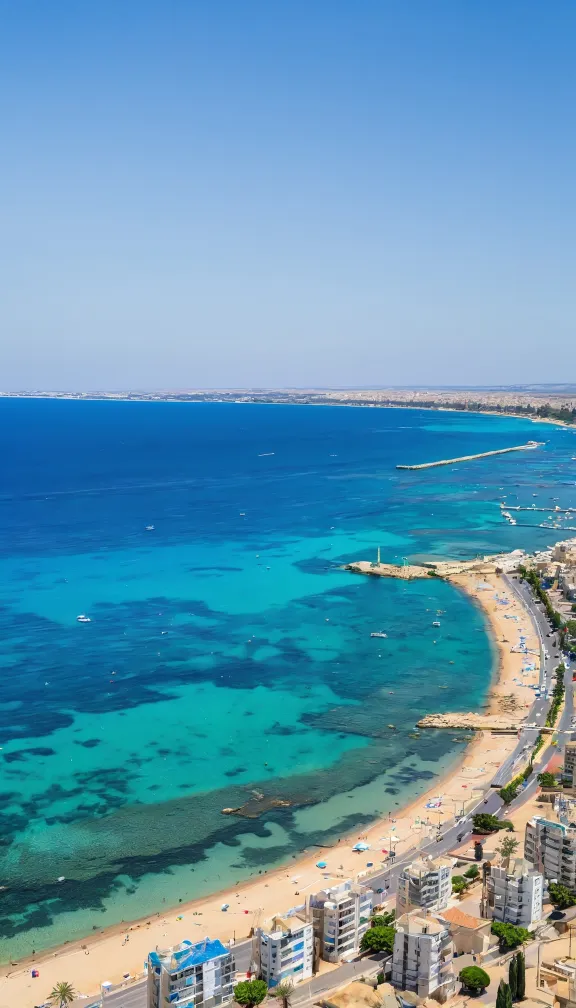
(197, 975)
(286, 952)
(558, 978)
(341, 916)
(550, 848)
(425, 884)
(513, 894)
(422, 956)
(569, 768)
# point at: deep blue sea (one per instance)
(227, 653)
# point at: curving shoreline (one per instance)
(107, 957)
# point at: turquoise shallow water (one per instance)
(227, 652)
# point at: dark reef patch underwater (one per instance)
(227, 653)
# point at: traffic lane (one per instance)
(346, 972)
(134, 996)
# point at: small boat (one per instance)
(378, 633)
(149, 528)
(436, 623)
(61, 878)
(83, 619)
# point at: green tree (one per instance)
(62, 994)
(546, 779)
(483, 822)
(510, 936)
(250, 992)
(474, 978)
(509, 793)
(459, 884)
(472, 872)
(561, 896)
(520, 976)
(513, 978)
(378, 939)
(383, 920)
(283, 991)
(503, 997)
(508, 846)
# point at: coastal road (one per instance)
(550, 657)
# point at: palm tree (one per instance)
(283, 991)
(507, 848)
(62, 994)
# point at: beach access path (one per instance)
(108, 955)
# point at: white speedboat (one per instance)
(436, 623)
(83, 619)
(149, 528)
(378, 633)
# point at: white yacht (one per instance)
(83, 619)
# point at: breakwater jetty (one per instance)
(476, 722)
(468, 458)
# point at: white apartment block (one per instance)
(193, 976)
(550, 847)
(422, 956)
(514, 894)
(341, 916)
(425, 884)
(286, 953)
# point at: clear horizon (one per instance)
(326, 195)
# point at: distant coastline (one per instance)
(556, 408)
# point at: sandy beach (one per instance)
(122, 949)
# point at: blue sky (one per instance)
(233, 194)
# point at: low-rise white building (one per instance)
(425, 884)
(422, 956)
(197, 975)
(513, 894)
(286, 952)
(341, 916)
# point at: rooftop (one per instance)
(425, 865)
(462, 919)
(187, 954)
(419, 923)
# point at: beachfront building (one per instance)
(550, 848)
(341, 916)
(192, 975)
(286, 952)
(422, 956)
(513, 894)
(569, 768)
(425, 884)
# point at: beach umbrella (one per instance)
(321, 864)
